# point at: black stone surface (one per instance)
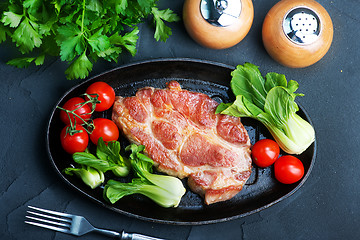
(326, 207)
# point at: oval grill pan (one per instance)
(260, 191)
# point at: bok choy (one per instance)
(164, 190)
(270, 100)
(107, 158)
(90, 176)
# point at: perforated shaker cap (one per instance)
(302, 25)
(220, 13)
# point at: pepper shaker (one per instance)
(218, 24)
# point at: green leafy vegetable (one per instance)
(166, 191)
(90, 176)
(108, 158)
(271, 100)
(78, 31)
(26, 61)
(162, 31)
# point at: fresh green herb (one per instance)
(166, 191)
(78, 31)
(90, 176)
(272, 102)
(162, 31)
(107, 158)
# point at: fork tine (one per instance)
(48, 227)
(52, 212)
(62, 221)
(50, 217)
(50, 222)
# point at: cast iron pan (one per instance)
(260, 191)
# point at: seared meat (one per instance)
(185, 138)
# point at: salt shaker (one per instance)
(297, 33)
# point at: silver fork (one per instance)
(75, 225)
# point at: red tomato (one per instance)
(265, 152)
(106, 95)
(74, 143)
(73, 103)
(104, 128)
(288, 169)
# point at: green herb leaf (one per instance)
(71, 41)
(79, 32)
(95, 6)
(128, 41)
(23, 62)
(162, 32)
(2, 34)
(79, 68)
(146, 5)
(11, 19)
(99, 43)
(32, 5)
(40, 60)
(121, 6)
(26, 36)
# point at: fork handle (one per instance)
(108, 233)
(124, 235)
(136, 236)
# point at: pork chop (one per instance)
(185, 138)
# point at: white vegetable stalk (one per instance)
(172, 186)
(297, 136)
(121, 171)
(92, 177)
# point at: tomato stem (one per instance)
(88, 125)
(93, 99)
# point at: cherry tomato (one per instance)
(265, 152)
(106, 95)
(77, 142)
(73, 103)
(288, 169)
(104, 128)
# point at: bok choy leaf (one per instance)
(270, 100)
(107, 158)
(164, 190)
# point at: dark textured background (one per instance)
(326, 207)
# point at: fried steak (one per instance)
(185, 138)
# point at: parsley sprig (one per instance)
(78, 31)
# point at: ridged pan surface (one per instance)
(261, 190)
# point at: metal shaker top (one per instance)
(301, 25)
(220, 13)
